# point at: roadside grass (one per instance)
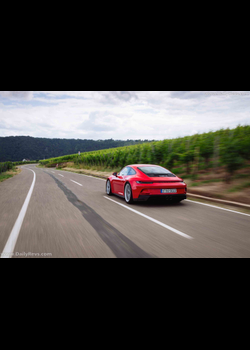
(211, 181)
(94, 168)
(194, 184)
(242, 176)
(89, 172)
(239, 187)
(4, 177)
(8, 174)
(200, 183)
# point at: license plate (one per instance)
(169, 191)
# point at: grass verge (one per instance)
(239, 187)
(8, 174)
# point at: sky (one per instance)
(120, 115)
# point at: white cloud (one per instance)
(119, 114)
(26, 95)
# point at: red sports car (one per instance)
(139, 182)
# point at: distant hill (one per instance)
(17, 148)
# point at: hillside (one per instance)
(17, 148)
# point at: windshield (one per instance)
(156, 171)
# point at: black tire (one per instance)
(108, 188)
(128, 194)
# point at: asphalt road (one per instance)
(68, 215)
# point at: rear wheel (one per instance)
(108, 188)
(128, 194)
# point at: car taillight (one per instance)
(143, 182)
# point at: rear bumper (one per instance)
(154, 189)
(167, 197)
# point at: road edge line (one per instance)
(216, 207)
(222, 201)
(11, 243)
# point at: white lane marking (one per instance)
(93, 177)
(213, 206)
(153, 220)
(53, 172)
(60, 175)
(76, 183)
(11, 243)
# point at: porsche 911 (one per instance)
(139, 182)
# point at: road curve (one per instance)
(70, 216)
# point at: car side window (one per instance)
(131, 171)
(124, 172)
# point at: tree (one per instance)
(171, 159)
(187, 157)
(207, 147)
(230, 156)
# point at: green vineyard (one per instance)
(226, 147)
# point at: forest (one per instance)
(17, 148)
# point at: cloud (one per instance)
(115, 97)
(187, 94)
(25, 95)
(98, 122)
(5, 126)
(119, 114)
(124, 95)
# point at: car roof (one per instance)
(141, 165)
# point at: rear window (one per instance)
(156, 171)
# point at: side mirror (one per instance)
(115, 174)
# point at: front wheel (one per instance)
(128, 194)
(108, 188)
